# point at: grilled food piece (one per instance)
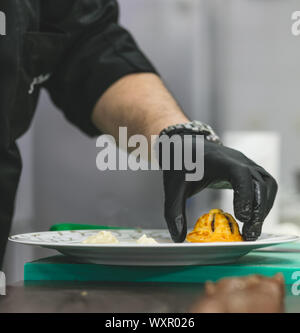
(216, 226)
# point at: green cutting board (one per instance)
(61, 268)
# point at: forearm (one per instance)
(139, 102)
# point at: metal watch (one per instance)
(194, 126)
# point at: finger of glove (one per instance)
(252, 229)
(272, 189)
(175, 198)
(243, 193)
(260, 197)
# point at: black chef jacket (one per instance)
(73, 48)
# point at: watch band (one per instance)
(194, 126)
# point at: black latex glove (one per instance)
(254, 189)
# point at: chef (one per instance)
(99, 78)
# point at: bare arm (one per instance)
(140, 102)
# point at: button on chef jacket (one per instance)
(75, 49)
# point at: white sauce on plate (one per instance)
(102, 237)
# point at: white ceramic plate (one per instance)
(128, 252)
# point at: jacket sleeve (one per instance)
(99, 53)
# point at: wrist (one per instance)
(160, 124)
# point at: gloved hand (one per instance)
(254, 189)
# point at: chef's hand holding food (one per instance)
(224, 168)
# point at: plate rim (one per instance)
(276, 239)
